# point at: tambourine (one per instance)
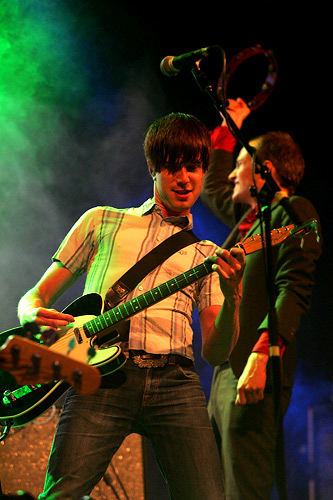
(266, 87)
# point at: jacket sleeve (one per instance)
(294, 272)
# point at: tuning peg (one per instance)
(77, 377)
(15, 350)
(34, 368)
(31, 330)
(56, 368)
(49, 337)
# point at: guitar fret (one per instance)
(102, 321)
(150, 297)
(108, 320)
(144, 297)
(124, 307)
(94, 325)
(114, 313)
(135, 302)
(185, 276)
(120, 310)
(90, 325)
(131, 303)
(99, 322)
(156, 293)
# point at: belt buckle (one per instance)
(150, 363)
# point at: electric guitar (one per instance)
(96, 331)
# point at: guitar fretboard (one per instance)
(147, 299)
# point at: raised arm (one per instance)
(217, 190)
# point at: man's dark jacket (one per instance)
(293, 267)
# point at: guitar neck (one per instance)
(160, 292)
(147, 299)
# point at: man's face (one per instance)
(178, 191)
(242, 179)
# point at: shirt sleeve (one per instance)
(75, 251)
(208, 290)
(222, 138)
(263, 344)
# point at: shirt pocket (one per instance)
(178, 263)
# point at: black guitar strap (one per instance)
(124, 285)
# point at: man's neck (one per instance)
(168, 212)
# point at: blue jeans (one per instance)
(165, 404)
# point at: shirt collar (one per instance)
(150, 206)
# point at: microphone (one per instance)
(171, 65)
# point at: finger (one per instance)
(233, 104)
(51, 323)
(227, 266)
(241, 398)
(241, 102)
(234, 259)
(52, 318)
(223, 270)
(260, 395)
(253, 396)
(238, 253)
(54, 314)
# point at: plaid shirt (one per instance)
(106, 242)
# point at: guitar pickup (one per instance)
(78, 336)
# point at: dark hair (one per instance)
(176, 139)
(286, 156)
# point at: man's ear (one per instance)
(268, 164)
(152, 170)
(273, 171)
(270, 167)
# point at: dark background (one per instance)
(73, 134)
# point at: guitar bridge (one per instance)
(10, 397)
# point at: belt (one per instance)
(148, 360)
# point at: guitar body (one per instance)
(20, 405)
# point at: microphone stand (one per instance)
(266, 195)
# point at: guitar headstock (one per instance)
(255, 242)
(32, 363)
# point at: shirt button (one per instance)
(140, 288)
